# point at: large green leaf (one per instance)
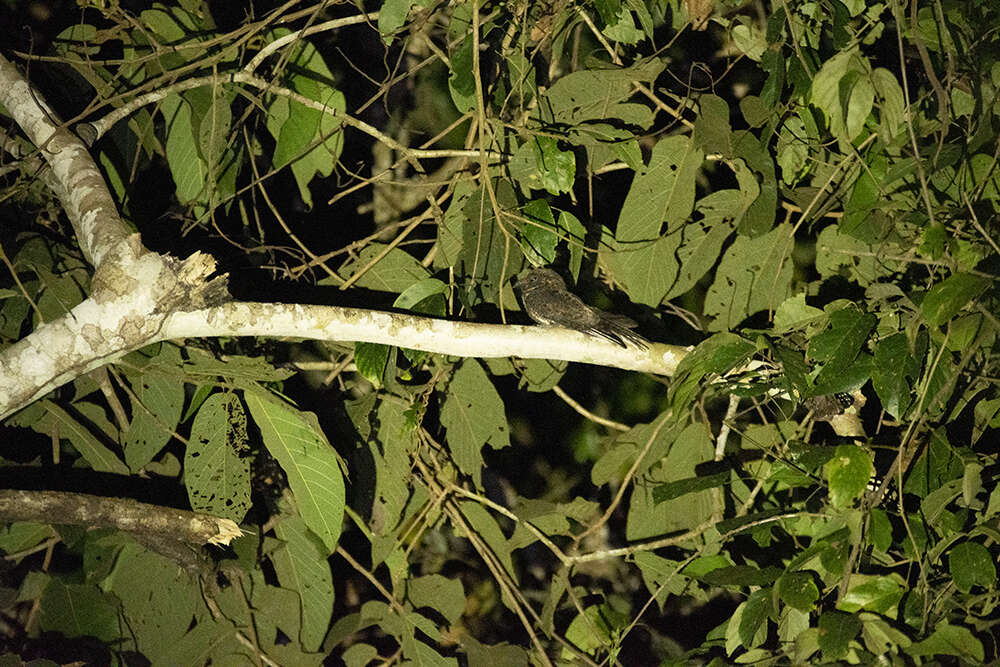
(186, 165)
(79, 610)
(301, 566)
(843, 90)
(662, 193)
(755, 275)
(848, 473)
(945, 299)
(971, 564)
(474, 415)
(296, 440)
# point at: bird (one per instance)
(547, 301)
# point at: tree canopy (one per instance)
(270, 395)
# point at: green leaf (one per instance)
(359, 655)
(301, 566)
(172, 25)
(701, 240)
(865, 199)
(893, 373)
(645, 270)
(575, 234)
(944, 300)
(674, 263)
(393, 272)
(971, 564)
(936, 465)
(712, 131)
(660, 575)
(22, 535)
(798, 590)
(986, 415)
(681, 487)
(880, 637)
(793, 626)
(78, 610)
(296, 440)
(848, 473)
(211, 119)
(76, 40)
(839, 254)
(371, 360)
(155, 417)
(390, 450)
(662, 193)
(753, 620)
(444, 595)
(485, 655)
(880, 531)
(424, 296)
(484, 525)
(838, 347)
(96, 454)
(418, 653)
(201, 364)
(794, 315)
(716, 355)
(749, 38)
(461, 80)
(550, 518)
(158, 599)
(210, 641)
(538, 233)
(754, 275)
(950, 640)
(217, 459)
(487, 261)
(687, 449)
(474, 416)
(310, 139)
(842, 89)
(594, 629)
(556, 169)
(793, 151)
(391, 18)
(741, 575)
(703, 564)
(772, 62)
(186, 165)
(278, 614)
(754, 111)
(594, 94)
(878, 594)
(836, 630)
(623, 28)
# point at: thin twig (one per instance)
(597, 419)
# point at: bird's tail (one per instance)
(619, 330)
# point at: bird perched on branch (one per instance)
(547, 301)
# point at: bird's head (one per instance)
(540, 278)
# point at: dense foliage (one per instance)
(805, 191)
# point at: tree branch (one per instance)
(177, 534)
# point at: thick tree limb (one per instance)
(177, 534)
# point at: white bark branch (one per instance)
(81, 188)
(462, 339)
(139, 297)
